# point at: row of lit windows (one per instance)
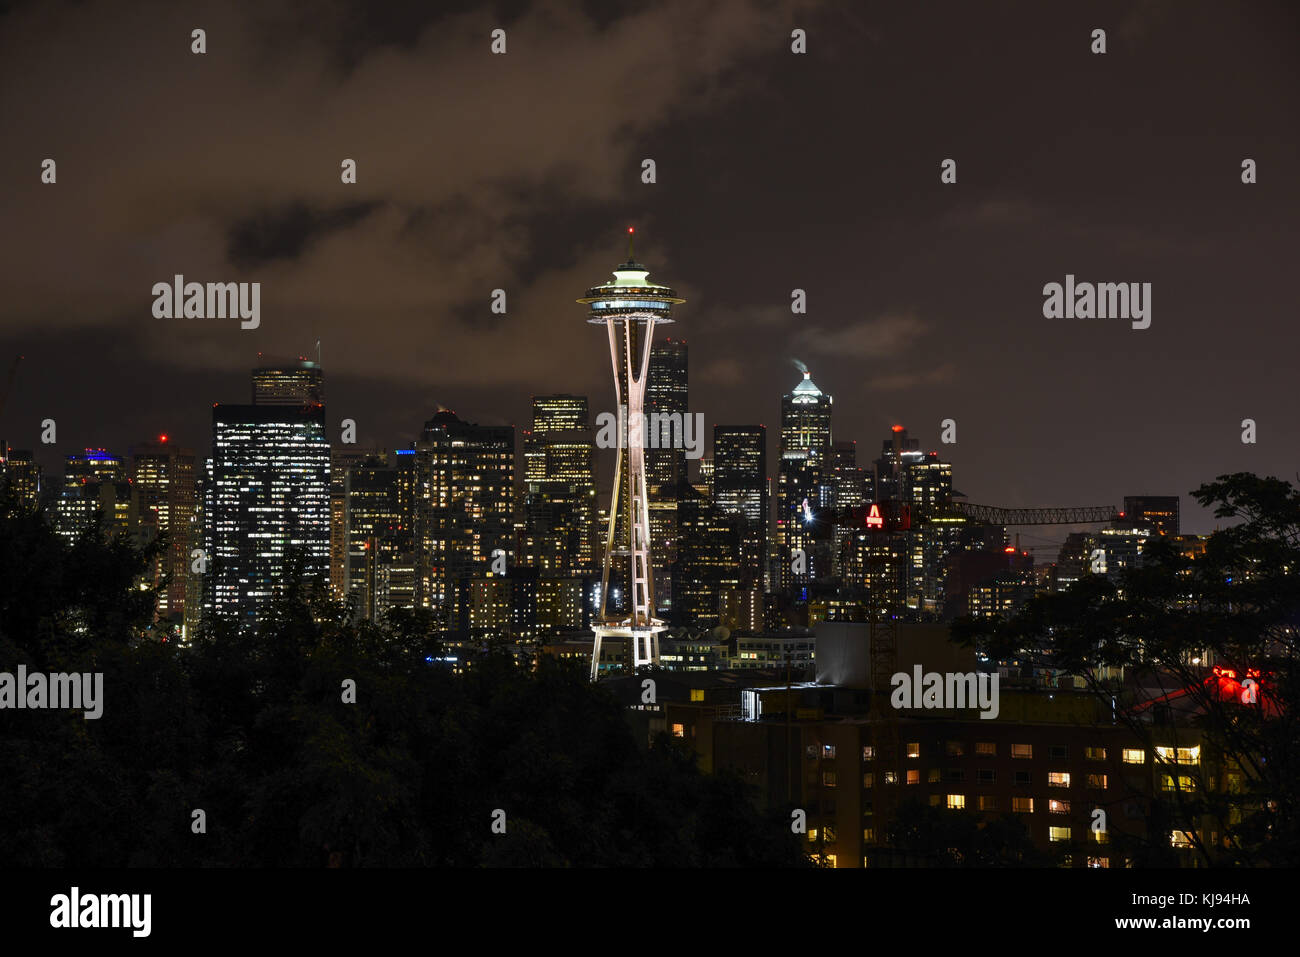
(957, 749)
(1060, 779)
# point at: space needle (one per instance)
(629, 307)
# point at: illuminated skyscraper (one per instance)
(560, 499)
(295, 382)
(803, 485)
(740, 488)
(464, 505)
(163, 475)
(95, 488)
(21, 476)
(630, 307)
(269, 501)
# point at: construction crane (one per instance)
(1080, 515)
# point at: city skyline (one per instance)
(644, 434)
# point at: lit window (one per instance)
(812, 834)
(828, 834)
(956, 802)
(891, 777)
(1099, 862)
(1058, 833)
(1180, 782)
(868, 835)
(1022, 805)
(1058, 807)
(868, 779)
(934, 776)
(869, 753)
(1022, 750)
(830, 860)
(988, 803)
(1181, 839)
(679, 731)
(1180, 755)
(1058, 779)
(914, 776)
(697, 694)
(829, 779)
(1100, 837)
(1097, 781)
(914, 749)
(1134, 756)
(986, 748)
(1095, 754)
(828, 752)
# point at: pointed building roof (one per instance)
(807, 386)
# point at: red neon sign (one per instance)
(874, 519)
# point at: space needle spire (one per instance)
(629, 306)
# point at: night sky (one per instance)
(775, 171)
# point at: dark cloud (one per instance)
(776, 172)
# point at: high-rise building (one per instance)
(380, 537)
(740, 489)
(164, 478)
(95, 488)
(268, 504)
(667, 393)
(464, 505)
(666, 396)
(803, 486)
(342, 459)
(630, 307)
(21, 476)
(709, 562)
(294, 382)
(1160, 511)
(560, 495)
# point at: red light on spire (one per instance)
(162, 438)
(1010, 549)
(898, 428)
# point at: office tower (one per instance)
(851, 485)
(890, 465)
(740, 489)
(95, 488)
(803, 489)
(297, 382)
(343, 458)
(464, 505)
(21, 476)
(630, 307)
(164, 478)
(667, 394)
(268, 505)
(708, 558)
(1160, 511)
(371, 522)
(560, 495)
(666, 465)
(704, 485)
